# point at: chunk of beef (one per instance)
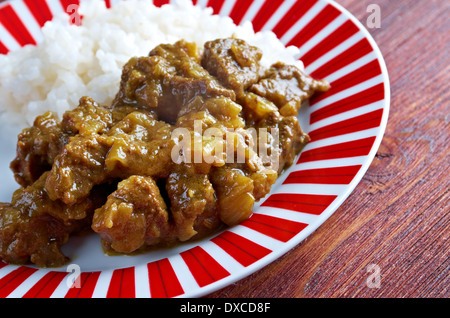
(286, 141)
(234, 62)
(192, 203)
(287, 87)
(39, 145)
(87, 119)
(37, 148)
(140, 145)
(78, 168)
(169, 78)
(135, 215)
(33, 227)
(234, 192)
(220, 112)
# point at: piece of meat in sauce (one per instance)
(36, 149)
(212, 120)
(133, 216)
(78, 168)
(136, 216)
(286, 142)
(166, 80)
(287, 87)
(138, 144)
(234, 192)
(235, 63)
(39, 145)
(33, 227)
(193, 203)
(219, 112)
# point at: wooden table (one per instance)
(396, 223)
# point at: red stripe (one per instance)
(163, 280)
(11, 281)
(264, 14)
(335, 175)
(13, 23)
(122, 284)
(203, 267)
(40, 10)
(277, 228)
(157, 289)
(321, 20)
(292, 16)
(45, 287)
(355, 148)
(216, 5)
(358, 123)
(241, 249)
(87, 283)
(3, 48)
(342, 33)
(159, 3)
(358, 76)
(350, 55)
(307, 203)
(366, 97)
(108, 3)
(171, 283)
(239, 10)
(2, 264)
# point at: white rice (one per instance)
(73, 61)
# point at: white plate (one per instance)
(346, 126)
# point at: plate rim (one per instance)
(292, 243)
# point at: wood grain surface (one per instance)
(397, 220)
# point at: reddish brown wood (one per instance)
(398, 217)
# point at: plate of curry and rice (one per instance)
(169, 149)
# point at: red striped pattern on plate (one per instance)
(245, 251)
(45, 287)
(14, 26)
(163, 280)
(355, 148)
(274, 227)
(84, 287)
(346, 125)
(335, 175)
(40, 10)
(203, 266)
(12, 280)
(122, 284)
(306, 203)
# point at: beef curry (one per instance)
(110, 169)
